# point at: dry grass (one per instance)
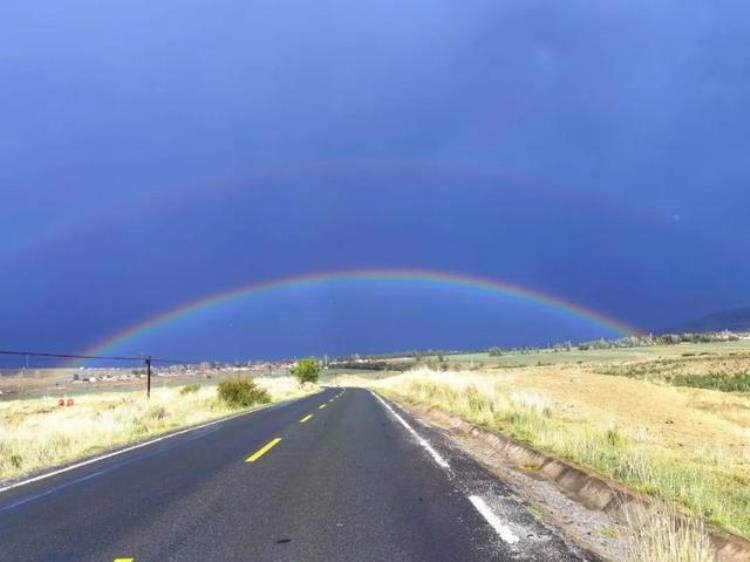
(36, 433)
(708, 353)
(660, 440)
(661, 535)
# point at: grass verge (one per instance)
(37, 434)
(657, 536)
(707, 487)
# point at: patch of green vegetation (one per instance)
(307, 370)
(242, 393)
(738, 382)
(669, 372)
(608, 532)
(642, 370)
(534, 511)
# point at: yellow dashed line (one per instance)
(260, 452)
(124, 559)
(303, 420)
(321, 406)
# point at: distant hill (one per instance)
(736, 320)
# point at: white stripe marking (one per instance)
(423, 442)
(138, 446)
(500, 528)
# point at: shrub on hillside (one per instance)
(242, 393)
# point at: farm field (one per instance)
(713, 350)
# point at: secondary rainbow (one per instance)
(430, 276)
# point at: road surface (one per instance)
(337, 476)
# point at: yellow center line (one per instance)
(124, 559)
(260, 452)
(303, 420)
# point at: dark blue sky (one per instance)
(155, 152)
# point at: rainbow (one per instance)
(436, 277)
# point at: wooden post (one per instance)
(148, 376)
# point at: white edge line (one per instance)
(421, 440)
(500, 528)
(481, 506)
(136, 446)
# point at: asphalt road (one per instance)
(359, 480)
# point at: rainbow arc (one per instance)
(257, 289)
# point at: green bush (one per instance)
(187, 389)
(307, 370)
(242, 393)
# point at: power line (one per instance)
(68, 355)
(181, 362)
(76, 356)
(147, 360)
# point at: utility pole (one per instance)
(148, 376)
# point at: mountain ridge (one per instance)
(734, 319)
